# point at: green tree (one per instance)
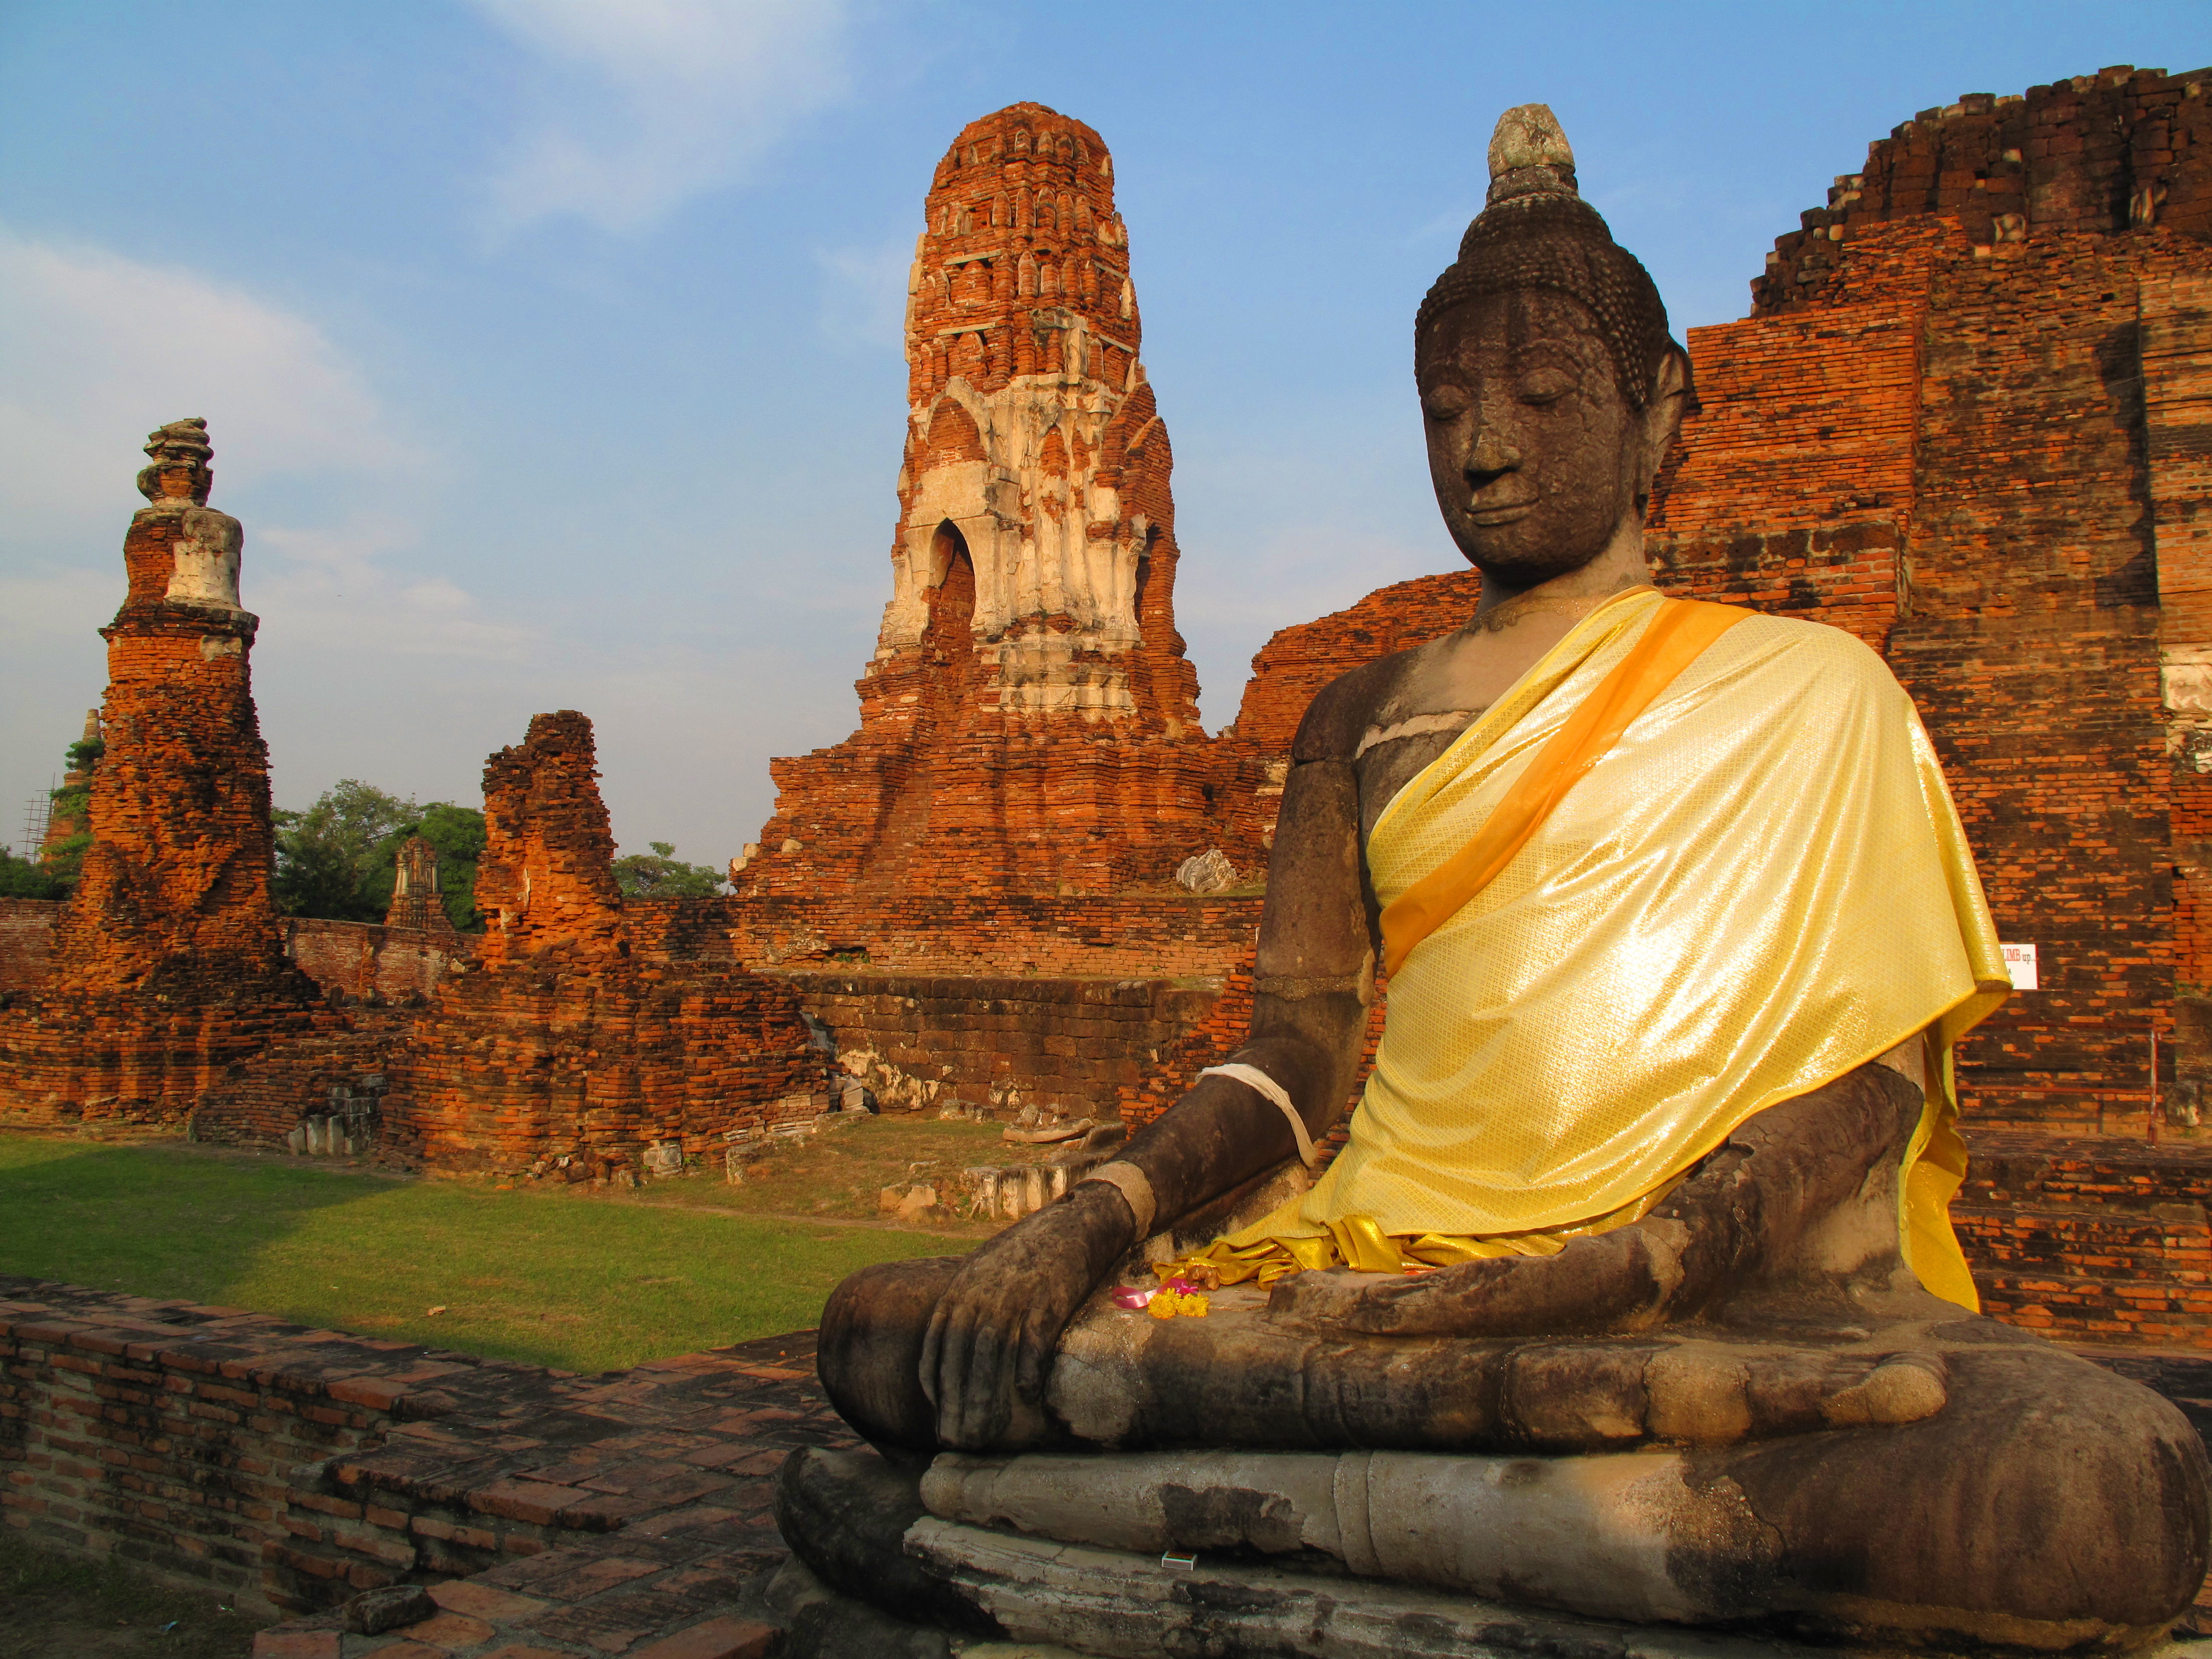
(660, 875)
(62, 860)
(340, 858)
(25, 878)
(328, 857)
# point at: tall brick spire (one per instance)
(168, 959)
(1029, 722)
(176, 882)
(1035, 455)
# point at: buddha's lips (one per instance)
(1502, 514)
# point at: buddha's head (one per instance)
(1549, 386)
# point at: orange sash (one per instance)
(1677, 634)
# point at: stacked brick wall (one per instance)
(1169, 935)
(1073, 1046)
(291, 1468)
(27, 932)
(2096, 154)
(262, 1098)
(2096, 1240)
(587, 1025)
(167, 960)
(362, 960)
(1029, 723)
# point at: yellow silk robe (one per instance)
(1761, 886)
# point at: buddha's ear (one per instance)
(1672, 397)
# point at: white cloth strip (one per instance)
(1129, 1181)
(1253, 1078)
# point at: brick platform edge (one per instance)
(291, 1468)
(548, 1514)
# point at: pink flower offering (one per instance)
(1133, 1298)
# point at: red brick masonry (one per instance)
(292, 1468)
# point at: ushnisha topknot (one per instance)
(1536, 231)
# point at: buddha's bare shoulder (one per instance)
(1377, 694)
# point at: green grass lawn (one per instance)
(583, 1283)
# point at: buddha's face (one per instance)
(1536, 458)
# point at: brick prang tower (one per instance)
(176, 881)
(1029, 722)
(168, 959)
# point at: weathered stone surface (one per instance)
(1111, 1602)
(372, 1612)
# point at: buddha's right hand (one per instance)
(991, 1339)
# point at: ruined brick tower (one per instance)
(589, 1027)
(1028, 721)
(177, 878)
(417, 903)
(168, 959)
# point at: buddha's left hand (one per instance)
(1740, 1218)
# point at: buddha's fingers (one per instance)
(955, 1355)
(1619, 1281)
(1710, 1393)
(1582, 1397)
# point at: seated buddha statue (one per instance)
(1632, 1292)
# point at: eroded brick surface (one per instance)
(1029, 728)
(293, 1468)
(588, 1025)
(167, 961)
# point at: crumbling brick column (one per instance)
(167, 961)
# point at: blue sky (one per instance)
(551, 350)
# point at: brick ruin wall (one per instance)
(26, 934)
(588, 1025)
(1072, 1046)
(1173, 935)
(1028, 725)
(368, 960)
(288, 1469)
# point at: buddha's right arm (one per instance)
(993, 1332)
(1315, 983)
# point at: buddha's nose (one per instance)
(1491, 457)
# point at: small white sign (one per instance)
(2019, 964)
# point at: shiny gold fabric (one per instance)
(1673, 639)
(1762, 885)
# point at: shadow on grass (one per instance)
(577, 1283)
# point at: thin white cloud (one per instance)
(644, 104)
(327, 590)
(96, 350)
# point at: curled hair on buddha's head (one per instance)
(1536, 231)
